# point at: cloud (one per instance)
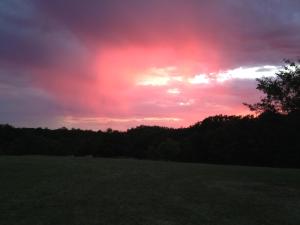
(117, 59)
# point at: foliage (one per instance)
(267, 140)
(169, 149)
(282, 92)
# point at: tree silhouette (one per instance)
(282, 91)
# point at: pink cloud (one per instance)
(124, 63)
(109, 92)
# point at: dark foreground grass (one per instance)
(89, 191)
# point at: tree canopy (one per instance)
(282, 92)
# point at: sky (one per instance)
(99, 64)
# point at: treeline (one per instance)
(270, 139)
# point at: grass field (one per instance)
(90, 191)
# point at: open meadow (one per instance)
(36, 190)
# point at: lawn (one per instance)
(37, 190)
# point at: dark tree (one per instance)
(282, 92)
(169, 149)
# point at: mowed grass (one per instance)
(38, 190)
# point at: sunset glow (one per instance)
(125, 63)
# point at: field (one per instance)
(38, 190)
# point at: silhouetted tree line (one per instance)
(270, 139)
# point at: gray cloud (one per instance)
(41, 32)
